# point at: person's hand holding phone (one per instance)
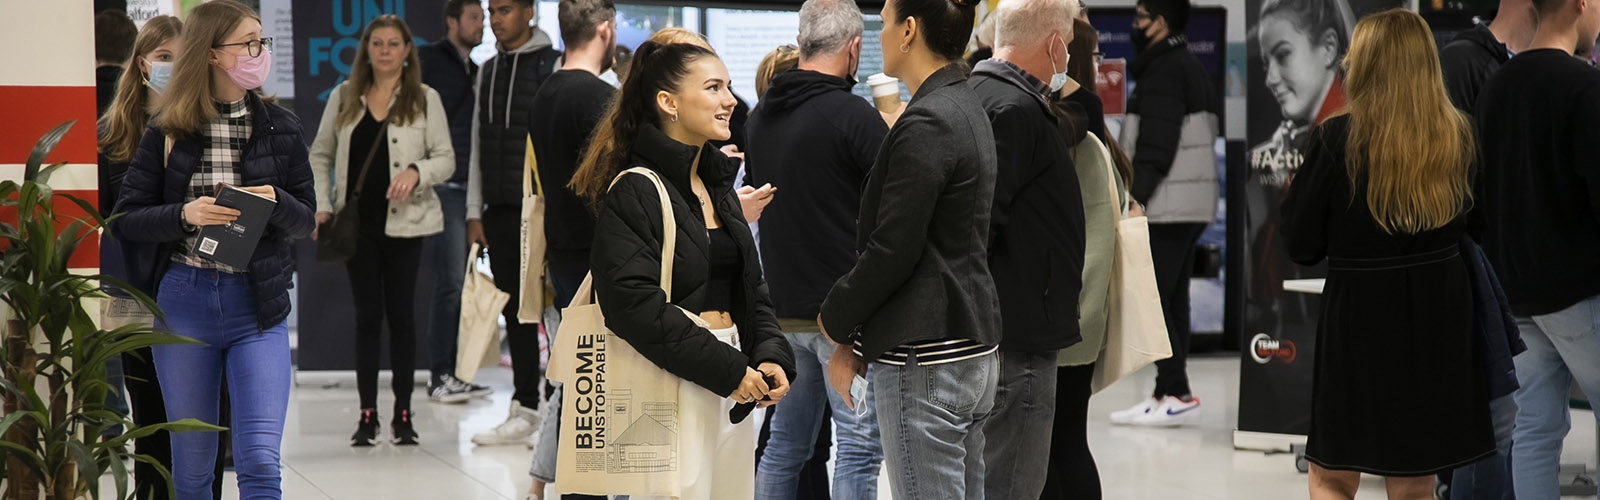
(755, 200)
(843, 368)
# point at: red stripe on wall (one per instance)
(31, 111)
(88, 253)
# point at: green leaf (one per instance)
(185, 425)
(119, 473)
(165, 475)
(88, 469)
(42, 148)
(44, 173)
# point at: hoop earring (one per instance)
(674, 118)
(905, 49)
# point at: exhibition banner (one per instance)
(1294, 84)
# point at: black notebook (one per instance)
(234, 243)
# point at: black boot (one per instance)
(404, 433)
(366, 429)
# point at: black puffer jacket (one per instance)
(626, 262)
(153, 194)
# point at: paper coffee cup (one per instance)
(885, 92)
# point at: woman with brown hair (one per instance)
(214, 129)
(1382, 196)
(382, 146)
(675, 101)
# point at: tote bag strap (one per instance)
(669, 224)
(530, 171)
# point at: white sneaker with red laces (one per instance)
(1172, 412)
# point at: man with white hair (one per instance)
(1036, 236)
(812, 138)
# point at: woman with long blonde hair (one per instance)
(383, 144)
(214, 129)
(1382, 197)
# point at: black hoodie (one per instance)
(815, 141)
(1468, 61)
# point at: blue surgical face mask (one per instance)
(160, 75)
(1058, 79)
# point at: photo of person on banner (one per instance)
(1301, 45)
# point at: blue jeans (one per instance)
(1490, 478)
(932, 419)
(449, 271)
(218, 309)
(1561, 346)
(1017, 434)
(797, 421)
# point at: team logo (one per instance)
(1264, 349)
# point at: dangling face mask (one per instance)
(1058, 78)
(160, 75)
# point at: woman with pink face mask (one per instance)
(214, 129)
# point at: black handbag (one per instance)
(336, 239)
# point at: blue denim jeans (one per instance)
(932, 419)
(218, 309)
(1490, 478)
(1562, 346)
(796, 422)
(449, 271)
(1017, 434)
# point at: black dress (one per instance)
(1397, 390)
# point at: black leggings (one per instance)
(383, 279)
(1072, 474)
(1172, 250)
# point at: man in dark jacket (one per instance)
(1474, 55)
(1171, 126)
(816, 141)
(1468, 61)
(447, 69)
(507, 85)
(1036, 237)
(114, 34)
(1538, 210)
(565, 113)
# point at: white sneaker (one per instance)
(1172, 412)
(519, 428)
(1126, 417)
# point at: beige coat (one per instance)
(424, 143)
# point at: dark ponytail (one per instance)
(946, 24)
(655, 68)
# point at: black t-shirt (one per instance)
(565, 113)
(374, 203)
(1538, 195)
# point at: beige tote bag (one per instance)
(478, 341)
(620, 432)
(1136, 330)
(530, 305)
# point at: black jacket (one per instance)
(153, 197)
(922, 271)
(626, 262)
(1036, 228)
(452, 76)
(1173, 92)
(1468, 61)
(507, 85)
(816, 142)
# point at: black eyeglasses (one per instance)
(253, 47)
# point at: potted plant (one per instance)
(53, 354)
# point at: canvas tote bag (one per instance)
(530, 305)
(478, 341)
(620, 432)
(1136, 330)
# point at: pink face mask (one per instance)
(250, 72)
